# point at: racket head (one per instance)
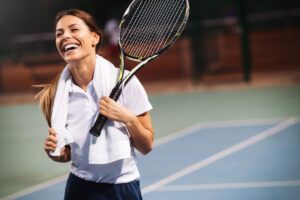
(149, 27)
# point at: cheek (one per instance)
(87, 39)
(57, 45)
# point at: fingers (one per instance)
(113, 110)
(51, 141)
(106, 104)
(52, 131)
(106, 101)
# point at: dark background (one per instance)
(224, 41)
(19, 17)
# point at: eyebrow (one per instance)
(70, 26)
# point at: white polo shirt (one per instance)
(82, 111)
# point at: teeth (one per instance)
(70, 46)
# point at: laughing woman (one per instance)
(102, 167)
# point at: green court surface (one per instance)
(23, 129)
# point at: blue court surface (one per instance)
(253, 159)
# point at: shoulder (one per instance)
(106, 67)
(104, 62)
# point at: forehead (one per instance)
(69, 20)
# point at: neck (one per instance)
(82, 71)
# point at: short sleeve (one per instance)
(135, 97)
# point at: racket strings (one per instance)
(172, 21)
(143, 33)
(131, 25)
(142, 40)
(161, 20)
(151, 26)
(147, 37)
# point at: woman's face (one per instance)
(74, 40)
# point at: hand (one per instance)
(51, 144)
(51, 141)
(114, 111)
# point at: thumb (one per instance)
(52, 131)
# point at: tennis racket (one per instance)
(147, 29)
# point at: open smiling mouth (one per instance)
(69, 47)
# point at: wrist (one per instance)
(132, 119)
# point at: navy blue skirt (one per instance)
(80, 189)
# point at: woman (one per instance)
(102, 167)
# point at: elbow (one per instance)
(145, 145)
(147, 149)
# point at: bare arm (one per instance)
(50, 145)
(141, 131)
(140, 127)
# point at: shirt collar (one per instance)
(76, 89)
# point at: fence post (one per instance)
(244, 38)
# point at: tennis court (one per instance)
(216, 144)
(226, 101)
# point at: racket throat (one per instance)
(138, 67)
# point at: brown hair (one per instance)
(47, 94)
(46, 98)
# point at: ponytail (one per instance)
(46, 98)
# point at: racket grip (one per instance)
(98, 125)
(101, 119)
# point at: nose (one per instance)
(66, 34)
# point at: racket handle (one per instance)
(98, 125)
(101, 119)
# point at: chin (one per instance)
(72, 58)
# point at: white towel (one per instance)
(103, 84)
(60, 110)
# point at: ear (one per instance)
(96, 39)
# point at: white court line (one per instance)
(161, 141)
(222, 186)
(36, 188)
(226, 152)
(219, 124)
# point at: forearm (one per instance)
(64, 155)
(139, 127)
(141, 133)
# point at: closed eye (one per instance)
(58, 34)
(74, 30)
